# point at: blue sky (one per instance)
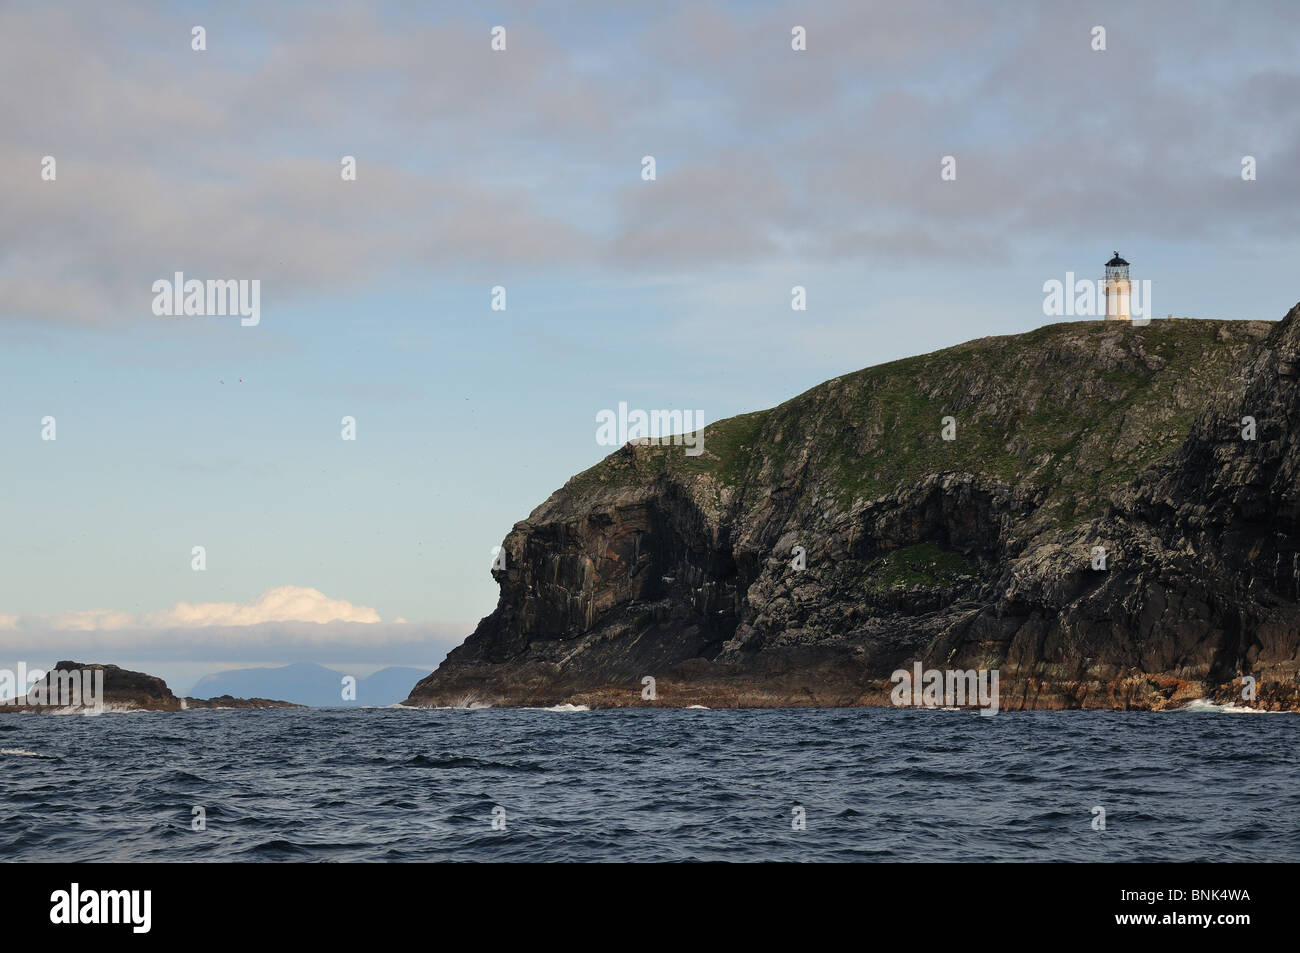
(522, 169)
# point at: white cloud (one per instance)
(79, 620)
(287, 623)
(281, 604)
(473, 162)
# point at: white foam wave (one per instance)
(1205, 705)
(109, 709)
(464, 706)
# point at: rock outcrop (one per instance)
(228, 701)
(72, 685)
(1100, 531)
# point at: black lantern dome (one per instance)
(1117, 267)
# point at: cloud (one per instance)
(281, 604)
(283, 623)
(473, 163)
(272, 642)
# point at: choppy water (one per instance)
(875, 784)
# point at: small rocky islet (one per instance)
(123, 690)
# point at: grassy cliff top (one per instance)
(1073, 410)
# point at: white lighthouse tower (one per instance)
(1117, 290)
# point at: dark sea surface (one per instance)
(650, 785)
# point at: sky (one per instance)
(523, 169)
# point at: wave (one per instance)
(592, 789)
(464, 703)
(1205, 705)
(109, 709)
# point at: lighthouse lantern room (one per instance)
(1117, 290)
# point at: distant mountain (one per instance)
(388, 686)
(307, 683)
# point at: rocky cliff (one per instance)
(1072, 442)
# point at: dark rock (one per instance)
(124, 690)
(973, 553)
(227, 701)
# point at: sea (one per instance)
(868, 784)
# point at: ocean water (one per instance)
(650, 785)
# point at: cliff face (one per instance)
(976, 552)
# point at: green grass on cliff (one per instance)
(1074, 410)
(924, 564)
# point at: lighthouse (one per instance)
(1117, 290)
